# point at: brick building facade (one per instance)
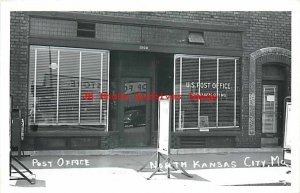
(258, 43)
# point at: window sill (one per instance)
(67, 133)
(212, 132)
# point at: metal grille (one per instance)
(192, 142)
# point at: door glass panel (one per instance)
(135, 116)
(269, 114)
(135, 108)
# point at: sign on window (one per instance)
(135, 87)
(209, 87)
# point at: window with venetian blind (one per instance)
(64, 86)
(216, 82)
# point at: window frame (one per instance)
(236, 94)
(101, 52)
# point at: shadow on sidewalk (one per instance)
(265, 184)
(24, 183)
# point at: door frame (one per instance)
(121, 107)
(279, 111)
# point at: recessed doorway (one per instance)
(274, 90)
(134, 120)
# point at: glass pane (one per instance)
(226, 92)
(135, 116)
(46, 86)
(198, 107)
(69, 65)
(269, 109)
(269, 123)
(190, 77)
(90, 88)
(208, 85)
(47, 66)
(270, 99)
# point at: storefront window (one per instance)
(65, 86)
(209, 87)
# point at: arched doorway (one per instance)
(274, 90)
(269, 73)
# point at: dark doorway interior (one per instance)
(274, 91)
(132, 73)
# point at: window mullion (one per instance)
(57, 93)
(234, 121)
(217, 104)
(101, 67)
(107, 100)
(199, 82)
(174, 92)
(79, 95)
(34, 97)
(180, 92)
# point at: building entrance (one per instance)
(273, 93)
(272, 110)
(135, 112)
(134, 75)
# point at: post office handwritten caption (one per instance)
(60, 162)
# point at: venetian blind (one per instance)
(65, 84)
(215, 81)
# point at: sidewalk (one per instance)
(134, 158)
(113, 179)
(221, 171)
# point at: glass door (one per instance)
(135, 112)
(269, 110)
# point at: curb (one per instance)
(150, 151)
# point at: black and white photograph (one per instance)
(149, 100)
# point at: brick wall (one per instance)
(263, 29)
(19, 59)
